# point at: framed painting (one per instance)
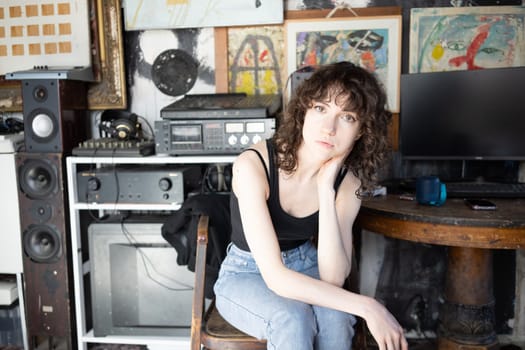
(10, 95)
(466, 38)
(370, 42)
(110, 91)
(164, 65)
(256, 60)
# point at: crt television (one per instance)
(464, 115)
(137, 287)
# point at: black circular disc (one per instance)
(174, 72)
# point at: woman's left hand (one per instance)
(329, 171)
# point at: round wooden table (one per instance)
(467, 316)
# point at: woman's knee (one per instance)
(294, 324)
(329, 320)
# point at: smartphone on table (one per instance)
(480, 204)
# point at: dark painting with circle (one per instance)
(174, 72)
(164, 65)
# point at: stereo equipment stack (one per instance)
(215, 123)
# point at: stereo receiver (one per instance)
(145, 185)
(210, 136)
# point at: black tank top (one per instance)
(291, 231)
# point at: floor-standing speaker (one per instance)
(55, 121)
(55, 118)
(46, 247)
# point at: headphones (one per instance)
(218, 178)
(119, 125)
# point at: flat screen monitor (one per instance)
(137, 287)
(465, 115)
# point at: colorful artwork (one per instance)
(256, 60)
(166, 14)
(466, 38)
(45, 33)
(370, 42)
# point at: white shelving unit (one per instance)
(11, 261)
(81, 269)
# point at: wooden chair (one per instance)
(211, 331)
(208, 328)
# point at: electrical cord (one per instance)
(150, 128)
(147, 262)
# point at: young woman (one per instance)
(302, 186)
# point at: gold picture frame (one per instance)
(10, 95)
(110, 91)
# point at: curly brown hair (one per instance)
(353, 88)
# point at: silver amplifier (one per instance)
(210, 136)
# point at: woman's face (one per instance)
(329, 131)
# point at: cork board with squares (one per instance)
(35, 33)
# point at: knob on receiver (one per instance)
(165, 184)
(93, 184)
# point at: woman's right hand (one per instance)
(385, 329)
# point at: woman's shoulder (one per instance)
(253, 153)
(350, 184)
(249, 168)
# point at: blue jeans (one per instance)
(244, 300)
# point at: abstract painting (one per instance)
(466, 38)
(370, 42)
(145, 47)
(256, 60)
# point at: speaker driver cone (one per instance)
(42, 244)
(40, 93)
(43, 125)
(41, 212)
(38, 179)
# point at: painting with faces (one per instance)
(164, 65)
(466, 38)
(405, 5)
(326, 4)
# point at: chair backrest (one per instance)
(197, 310)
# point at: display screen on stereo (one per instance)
(186, 134)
